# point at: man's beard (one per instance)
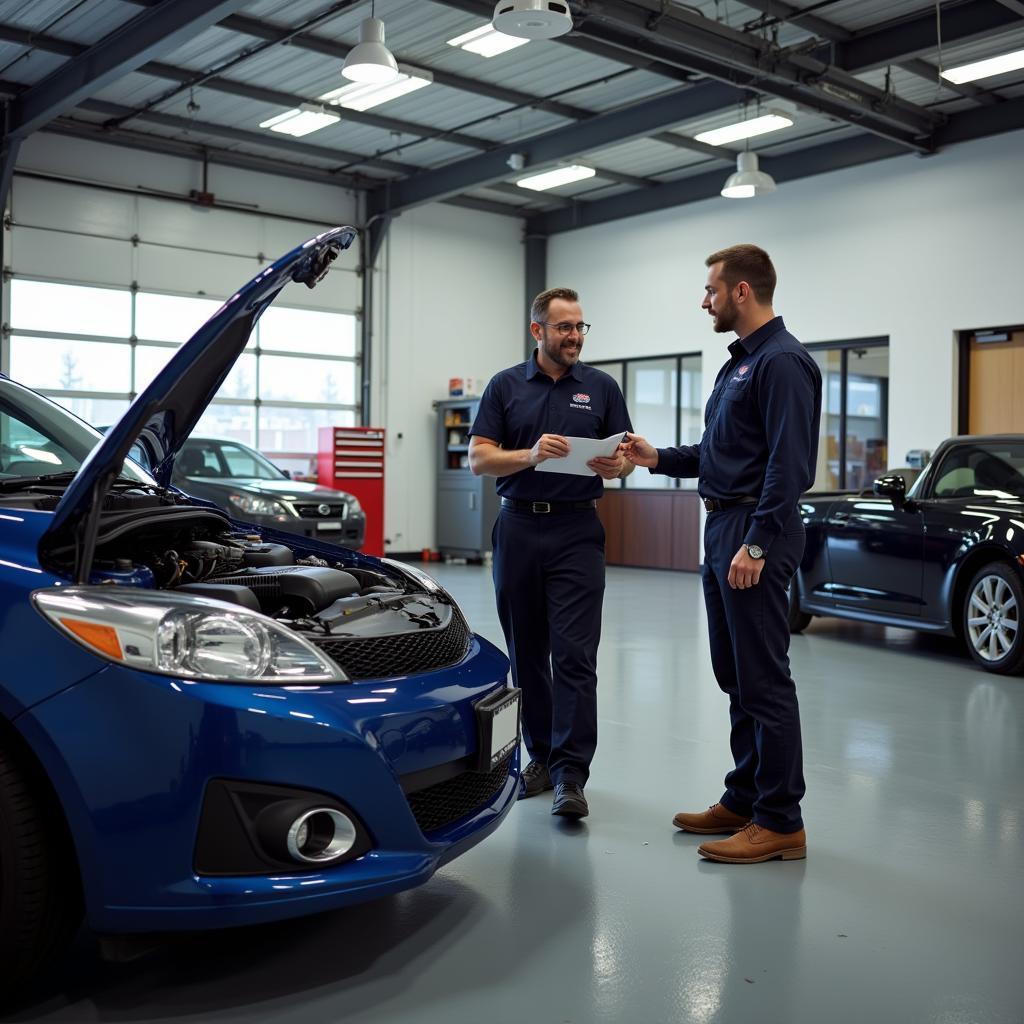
(553, 350)
(724, 320)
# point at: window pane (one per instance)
(60, 363)
(149, 361)
(691, 418)
(241, 381)
(652, 390)
(97, 412)
(293, 432)
(291, 378)
(867, 387)
(826, 477)
(236, 422)
(171, 317)
(308, 330)
(42, 306)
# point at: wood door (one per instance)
(996, 386)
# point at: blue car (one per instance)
(205, 725)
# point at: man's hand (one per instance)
(744, 571)
(608, 468)
(548, 446)
(639, 451)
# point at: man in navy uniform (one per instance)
(756, 457)
(548, 541)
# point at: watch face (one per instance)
(754, 551)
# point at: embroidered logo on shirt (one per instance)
(743, 369)
(580, 401)
(739, 374)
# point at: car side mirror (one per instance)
(287, 473)
(894, 488)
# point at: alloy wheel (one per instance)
(993, 618)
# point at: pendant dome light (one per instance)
(370, 60)
(748, 180)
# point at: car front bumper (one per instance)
(131, 756)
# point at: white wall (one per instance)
(454, 306)
(912, 248)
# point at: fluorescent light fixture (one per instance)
(487, 41)
(300, 121)
(748, 180)
(770, 122)
(363, 95)
(559, 176)
(985, 68)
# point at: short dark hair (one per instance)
(748, 263)
(539, 308)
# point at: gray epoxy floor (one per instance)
(908, 909)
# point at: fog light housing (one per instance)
(320, 835)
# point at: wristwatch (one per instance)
(755, 551)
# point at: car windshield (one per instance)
(225, 460)
(981, 469)
(40, 439)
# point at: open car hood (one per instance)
(166, 412)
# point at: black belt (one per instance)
(718, 504)
(543, 507)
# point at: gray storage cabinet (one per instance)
(467, 505)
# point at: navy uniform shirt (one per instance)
(523, 402)
(760, 430)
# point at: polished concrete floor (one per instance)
(909, 908)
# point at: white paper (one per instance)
(581, 451)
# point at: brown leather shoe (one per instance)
(716, 820)
(754, 844)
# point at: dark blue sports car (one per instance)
(203, 724)
(946, 557)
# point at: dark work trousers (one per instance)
(549, 582)
(749, 634)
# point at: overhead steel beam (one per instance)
(602, 130)
(155, 31)
(897, 41)
(803, 163)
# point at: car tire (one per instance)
(40, 900)
(798, 620)
(993, 619)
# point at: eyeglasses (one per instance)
(566, 328)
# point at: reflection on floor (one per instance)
(909, 907)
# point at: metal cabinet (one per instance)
(467, 505)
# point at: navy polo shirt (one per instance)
(760, 430)
(523, 402)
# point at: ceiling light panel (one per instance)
(300, 122)
(747, 129)
(364, 95)
(556, 177)
(486, 41)
(979, 69)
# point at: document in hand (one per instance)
(581, 451)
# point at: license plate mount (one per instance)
(498, 727)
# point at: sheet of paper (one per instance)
(581, 451)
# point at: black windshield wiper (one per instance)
(21, 482)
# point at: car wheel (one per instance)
(992, 619)
(798, 620)
(40, 903)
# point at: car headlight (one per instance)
(353, 505)
(257, 506)
(185, 635)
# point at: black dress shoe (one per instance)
(534, 780)
(569, 801)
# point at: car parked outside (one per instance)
(945, 556)
(248, 485)
(201, 727)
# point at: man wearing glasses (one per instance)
(548, 541)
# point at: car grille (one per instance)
(399, 654)
(444, 802)
(313, 511)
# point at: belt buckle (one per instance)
(709, 504)
(540, 506)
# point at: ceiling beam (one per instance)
(613, 128)
(154, 31)
(831, 156)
